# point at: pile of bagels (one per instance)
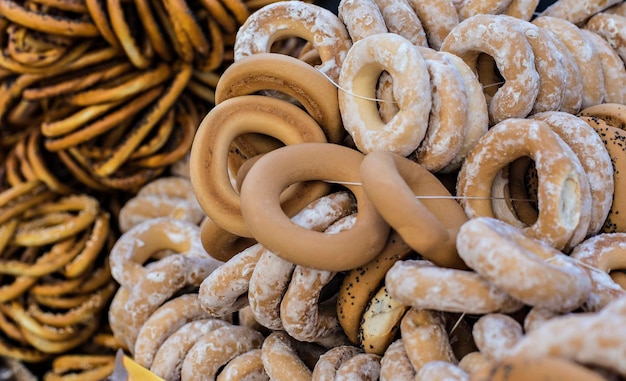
(272, 190)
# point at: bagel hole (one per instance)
(523, 185)
(488, 75)
(243, 152)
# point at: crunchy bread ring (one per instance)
(155, 33)
(548, 65)
(360, 285)
(418, 284)
(221, 244)
(612, 28)
(247, 366)
(395, 363)
(43, 22)
(302, 298)
(402, 20)
(604, 253)
(289, 75)
(612, 137)
(280, 358)
(362, 18)
(308, 21)
(140, 56)
(522, 9)
(479, 34)
(171, 353)
(566, 286)
(164, 322)
(265, 302)
(270, 226)
(162, 197)
(363, 366)
(572, 96)
(360, 72)
(593, 156)
(99, 15)
(209, 152)
(561, 337)
(469, 8)
(392, 183)
(441, 371)
(495, 334)
(584, 55)
(329, 362)
(577, 11)
(438, 18)
(612, 68)
(563, 192)
(216, 349)
(520, 368)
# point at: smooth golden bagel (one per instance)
(364, 63)
(290, 76)
(209, 153)
(394, 184)
(269, 225)
(563, 190)
(308, 21)
(483, 34)
(482, 241)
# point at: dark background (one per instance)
(332, 4)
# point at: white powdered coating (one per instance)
(492, 35)
(587, 338)
(496, 334)
(362, 18)
(425, 338)
(224, 290)
(400, 19)
(245, 367)
(295, 18)
(395, 364)
(441, 371)
(438, 18)
(446, 125)
(281, 360)
(329, 362)
(584, 55)
(216, 349)
(418, 284)
(527, 269)
(169, 356)
(594, 158)
(577, 11)
(612, 28)
(365, 61)
(612, 68)
(469, 8)
(364, 366)
(162, 323)
(522, 9)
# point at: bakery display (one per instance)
(297, 190)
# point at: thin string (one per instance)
(432, 197)
(376, 99)
(578, 262)
(454, 327)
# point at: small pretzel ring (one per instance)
(269, 225)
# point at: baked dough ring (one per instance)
(365, 61)
(438, 18)
(495, 334)
(484, 34)
(577, 11)
(521, 368)
(400, 19)
(602, 254)
(612, 68)
(505, 257)
(584, 55)
(290, 76)
(281, 360)
(209, 153)
(305, 20)
(612, 28)
(394, 184)
(563, 189)
(593, 156)
(395, 363)
(269, 225)
(362, 18)
(417, 283)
